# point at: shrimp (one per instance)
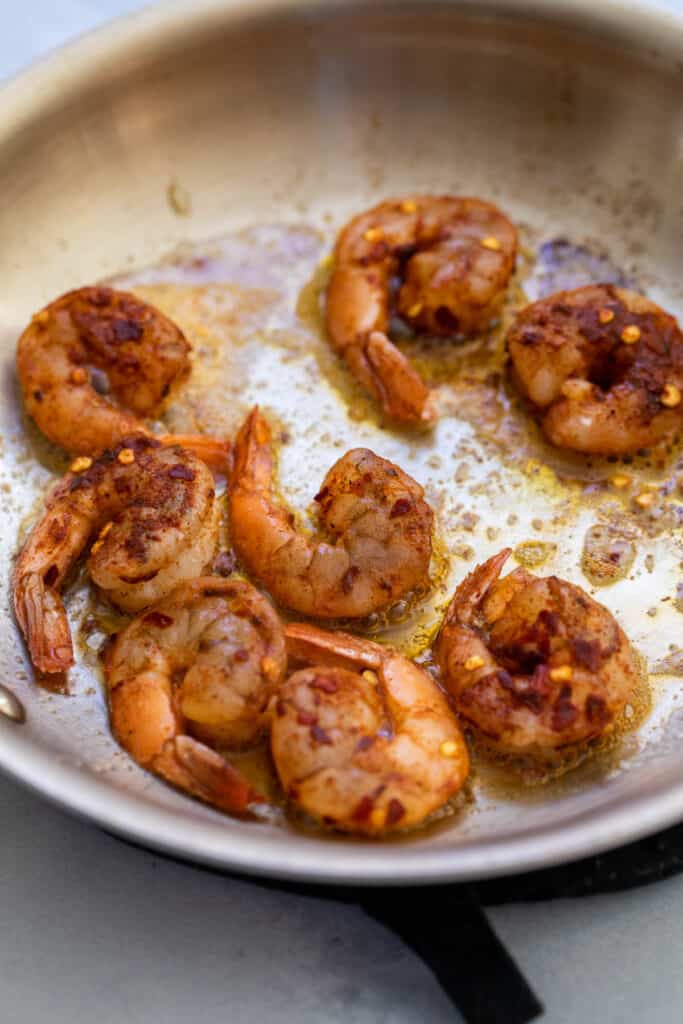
(378, 523)
(534, 664)
(196, 670)
(363, 740)
(603, 365)
(93, 343)
(155, 511)
(455, 256)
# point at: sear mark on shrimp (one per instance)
(363, 740)
(454, 257)
(155, 528)
(534, 664)
(604, 366)
(378, 524)
(95, 361)
(196, 670)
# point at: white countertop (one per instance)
(93, 930)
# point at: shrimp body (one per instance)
(377, 521)
(363, 740)
(604, 366)
(534, 664)
(198, 668)
(98, 336)
(454, 255)
(155, 510)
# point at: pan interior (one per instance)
(266, 130)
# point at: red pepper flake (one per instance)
(564, 712)
(324, 683)
(349, 578)
(400, 508)
(320, 735)
(126, 330)
(180, 472)
(395, 811)
(596, 709)
(365, 742)
(363, 809)
(587, 653)
(241, 654)
(306, 718)
(101, 296)
(281, 708)
(158, 619)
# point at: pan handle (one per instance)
(447, 927)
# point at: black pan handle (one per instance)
(447, 927)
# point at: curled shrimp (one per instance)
(198, 668)
(363, 740)
(93, 345)
(603, 365)
(455, 257)
(155, 510)
(534, 664)
(375, 516)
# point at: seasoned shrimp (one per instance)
(378, 523)
(155, 510)
(363, 740)
(198, 668)
(455, 257)
(603, 365)
(91, 346)
(533, 663)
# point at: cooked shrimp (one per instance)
(203, 661)
(91, 346)
(378, 523)
(455, 257)
(363, 740)
(604, 366)
(533, 663)
(157, 518)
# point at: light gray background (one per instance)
(92, 930)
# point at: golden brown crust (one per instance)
(95, 360)
(534, 663)
(629, 350)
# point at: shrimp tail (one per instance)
(200, 771)
(312, 646)
(253, 458)
(474, 588)
(214, 452)
(389, 375)
(43, 621)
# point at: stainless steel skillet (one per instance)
(569, 115)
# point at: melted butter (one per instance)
(533, 554)
(608, 552)
(251, 304)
